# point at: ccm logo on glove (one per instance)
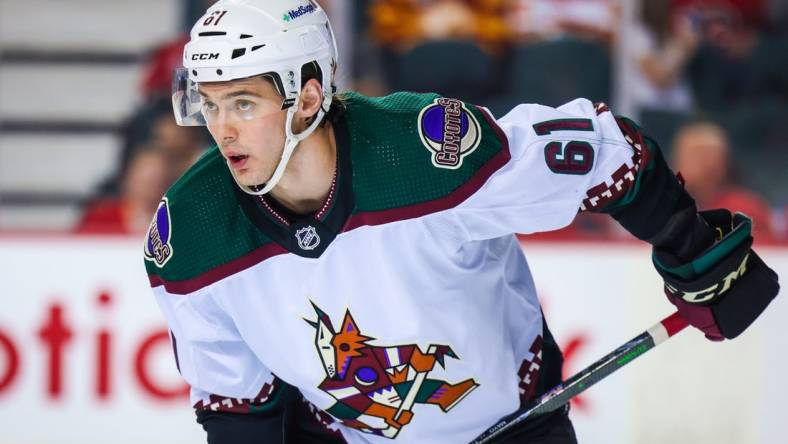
(707, 294)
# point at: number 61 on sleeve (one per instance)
(573, 157)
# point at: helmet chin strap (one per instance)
(291, 142)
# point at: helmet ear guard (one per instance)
(238, 39)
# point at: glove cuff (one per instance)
(731, 232)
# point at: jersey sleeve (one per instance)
(221, 370)
(563, 160)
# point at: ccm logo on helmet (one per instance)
(206, 56)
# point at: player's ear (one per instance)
(311, 101)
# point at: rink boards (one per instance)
(84, 351)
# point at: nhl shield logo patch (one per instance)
(158, 247)
(450, 131)
(307, 238)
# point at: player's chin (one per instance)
(250, 178)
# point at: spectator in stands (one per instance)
(144, 182)
(737, 64)
(154, 123)
(400, 24)
(753, 13)
(163, 61)
(180, 145)
(702, 155)
(421, 44)
(150, 120)
(661, 45)
(167, 151)
(549, 19)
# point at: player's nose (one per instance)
(226, 132)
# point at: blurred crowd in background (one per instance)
(708, 79)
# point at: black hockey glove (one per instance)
(724, 288)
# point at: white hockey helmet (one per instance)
(237, 39)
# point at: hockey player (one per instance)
(342, 268)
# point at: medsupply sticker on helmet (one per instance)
(158, 247)
(302, 10)
(449, 131)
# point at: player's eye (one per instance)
(244, 105)
(209, 107)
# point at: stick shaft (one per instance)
(410, 398)
(561, 394)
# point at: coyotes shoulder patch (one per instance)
(450, 131)
(158, 247)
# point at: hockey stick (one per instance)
(561, 394)
(410, 398)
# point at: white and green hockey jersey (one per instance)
(404, 309)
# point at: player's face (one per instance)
(246, 120)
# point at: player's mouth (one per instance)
(237, 162)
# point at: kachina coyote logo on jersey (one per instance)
(450, 131)
(376, 386)
(157, 243)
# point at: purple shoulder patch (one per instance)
(450, 131)
(158, 246)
